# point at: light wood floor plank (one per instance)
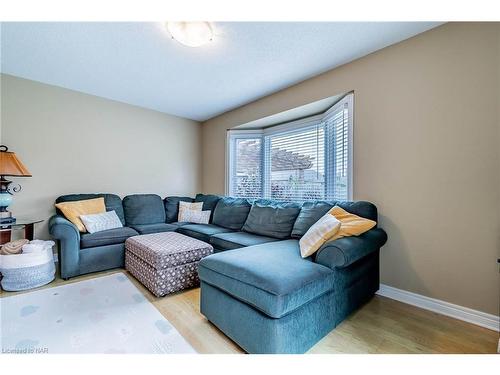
(381, 326)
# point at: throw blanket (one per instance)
(14, 247)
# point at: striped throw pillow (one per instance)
(99, 222)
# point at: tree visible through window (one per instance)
(247, 177)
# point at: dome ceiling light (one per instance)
(191, 34)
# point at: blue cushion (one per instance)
(154, 228)
(229, 241)
(201, 231)
(172, 207)
(310, 212)
(143, 209)
(106, 237)
(272, 219)
(258, 333)
(231, 212)
(180, 223)
(271, 277)
(209, 202)
(111, 201)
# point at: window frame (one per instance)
(295, 125)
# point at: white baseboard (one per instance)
(441, 307)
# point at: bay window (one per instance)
(307, 159)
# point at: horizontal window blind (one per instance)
(295, 164)
(301, 161)
(337, 154)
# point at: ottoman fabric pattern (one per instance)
(165, 262)
(164, 281)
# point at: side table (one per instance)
(21, 224)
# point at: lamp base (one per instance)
(11, 220)
(6, 217)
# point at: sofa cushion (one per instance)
(231, 212)
(154, 228)
(209, 202)
(172, 207)
(271, 219)
(111, 201)
(179, 223)
(143, 209)
(106, 237)
(271, 277)
(235, 240)
(74, 210)
(310, 213)
(202, 232)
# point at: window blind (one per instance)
(246, 175)
(295, 164)
(337, 134)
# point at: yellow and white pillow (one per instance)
(335, 224)
(351, 225)
(320, 232)
(73, 210)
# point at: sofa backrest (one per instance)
(172, 207)
(111, 201)
(272, 218)
(209, 202)
(142, 209)
(231, 213)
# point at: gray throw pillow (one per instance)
(274, 220)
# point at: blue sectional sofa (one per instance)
(256, 288)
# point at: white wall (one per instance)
(78, 143)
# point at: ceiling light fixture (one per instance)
(191, 34)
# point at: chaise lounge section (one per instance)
(256, 288)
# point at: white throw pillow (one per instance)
(98, 222)
(320, 232)
(183, 206)
(196, 217)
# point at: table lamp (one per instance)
(10, 165)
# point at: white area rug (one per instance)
(103, 315)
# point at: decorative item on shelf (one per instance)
(11, 166)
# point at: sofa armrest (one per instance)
(69, 245)
(347, 250)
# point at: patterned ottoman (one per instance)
(165, 262)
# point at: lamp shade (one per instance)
(10, 165)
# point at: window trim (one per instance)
(233, 134)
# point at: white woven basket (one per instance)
(27, 271)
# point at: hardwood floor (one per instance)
(381, 326)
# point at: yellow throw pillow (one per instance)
(351, 225)
(73, 210)
(320, 232)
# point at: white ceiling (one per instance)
(138, 63)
